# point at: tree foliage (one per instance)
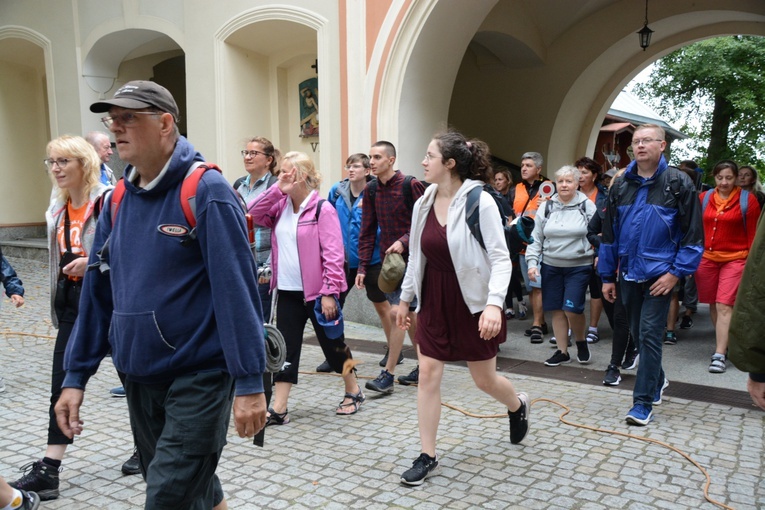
(715, 90)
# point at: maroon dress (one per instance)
(446, 330)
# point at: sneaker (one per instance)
(660, 392)
(686, 322)
(324, 368)
(558, 358)
(2, 385)
(640, 414)
(670, 338)
(593, 337)
(118, 392)
(383, 383)
(384, 362)
(583, 354)
(613, 376)
(423, 467)
(522, 310)
(717, 366)
(519, 420)
(40, 478)
(509, 314)
(631, 360)
(412, 378)
(29, 501)
(132, 466)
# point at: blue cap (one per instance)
(332, 328)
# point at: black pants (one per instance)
(622, 338)
(180, 430)
(66, 306)
(292, 312)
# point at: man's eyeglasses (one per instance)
(644, 141)
(253, 154)
(124, 118)
(61, 162)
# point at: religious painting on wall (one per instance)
(309, 107)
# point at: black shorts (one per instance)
(596, 286)
(374, 294)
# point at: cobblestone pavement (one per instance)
(327, 461)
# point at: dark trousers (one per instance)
(66, 307)
(180, 429)
(647, 317)
(292, 312)
(622, 338)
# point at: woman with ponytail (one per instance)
(446, 261)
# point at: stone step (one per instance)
(33, 248)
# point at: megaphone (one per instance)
(546, 190)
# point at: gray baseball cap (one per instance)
(140, 94)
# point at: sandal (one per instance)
(536, 334)
(275, 418)
(353, 406)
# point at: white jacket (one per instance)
(483, 275)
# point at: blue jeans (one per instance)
(647, 317)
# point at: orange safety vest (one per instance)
(522, 205)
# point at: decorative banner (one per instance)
(309, 107)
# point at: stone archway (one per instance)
(27, 118)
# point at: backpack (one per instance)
(517, 236)
(743, 203)
(371, 191)
(582, 210)
(188, 200)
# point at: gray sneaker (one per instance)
(382, 384)
(412, 377)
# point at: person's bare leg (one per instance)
(674, 309)
(383, 311)
(596, 309)
(6, 493)
(536, 306)
(281, 396)
(578, 326)
(429, 402)
(560, 330)
(223, 505)
(487, 379)
(724, 314)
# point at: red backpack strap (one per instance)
(189, 191)
(116, 197)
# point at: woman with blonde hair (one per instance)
(75, 170)
(307, 272)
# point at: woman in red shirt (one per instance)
(730, 219)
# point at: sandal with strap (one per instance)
(275, 418)
(353, 406)
(536, 334)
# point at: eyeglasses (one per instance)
(61, 162)
(253, 154)
(357, 166)
(644, 141)
(124, 118)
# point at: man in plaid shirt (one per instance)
(391, 208)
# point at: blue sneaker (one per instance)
(382, 384)
(118, 392)
(660, 392)
(640, 414)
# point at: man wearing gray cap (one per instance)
(178, 306)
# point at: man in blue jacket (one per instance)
(179, 311)
(653, 236)
(347, 197)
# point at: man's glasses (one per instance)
(357, 166)
(124, 118)
(61, 162)
(644, 141)
(252, 154)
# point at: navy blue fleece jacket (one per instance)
(166, 309)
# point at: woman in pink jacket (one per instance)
(307, 262)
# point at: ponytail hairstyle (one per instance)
(471, 157)
(269, 150)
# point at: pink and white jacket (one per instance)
(319, 243)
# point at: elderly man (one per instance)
(524, 198)
(103, 146)
(179, 311)
(653, 235)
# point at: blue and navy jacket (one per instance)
(167, 308)
(651, 226)
(13, 285)
(350, 222)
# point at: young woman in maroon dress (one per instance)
(460, 288)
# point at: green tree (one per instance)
(715, 90)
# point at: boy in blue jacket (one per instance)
(14, 289)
